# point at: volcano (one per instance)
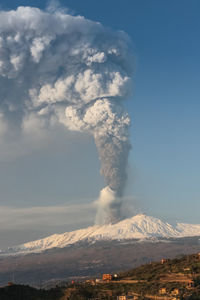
(140, 227)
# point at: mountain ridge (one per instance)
(140, 227)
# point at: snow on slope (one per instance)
(137, 227)
(188, 229)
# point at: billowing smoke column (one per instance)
(55, 67)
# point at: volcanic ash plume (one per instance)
(108, 207)
(109, 125)
(55, 67)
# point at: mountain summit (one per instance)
(139, 227)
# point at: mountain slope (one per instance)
(137, 227)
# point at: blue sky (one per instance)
(164, 162)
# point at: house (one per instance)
(175, 292)
(107, 277)
(115, 277)
(163, 261)
(162, 291)
(186, 269)
(91, 281)
(190, 284)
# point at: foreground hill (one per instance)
(167, 279)
(22, 292)
(140, 227)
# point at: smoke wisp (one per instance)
(58, 68)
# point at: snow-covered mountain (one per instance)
(138, 227)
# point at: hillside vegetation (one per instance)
(187, 265)
(23, 292)
(177, 278)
